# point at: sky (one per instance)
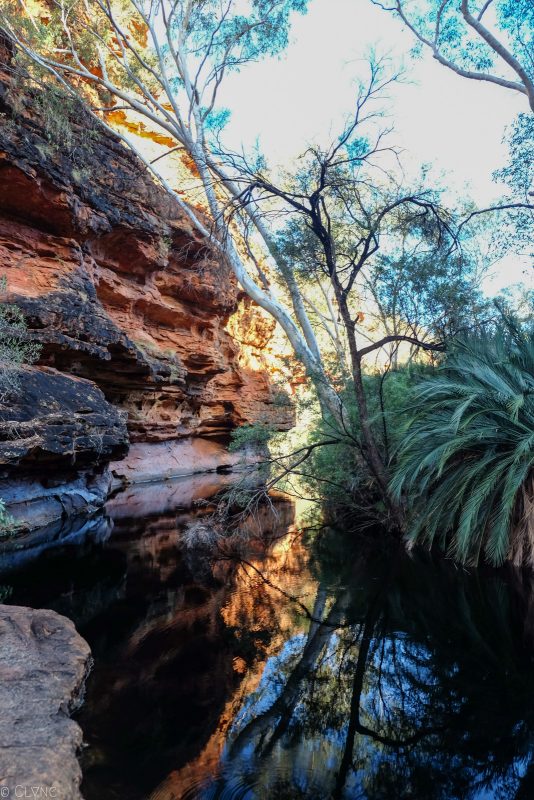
(304, 96)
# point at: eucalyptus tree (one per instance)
(426, 291)
(482, 40)
(348, 215)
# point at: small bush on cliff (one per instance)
(5, 592)
(68, 128)
(8, 526)
(16, 348)
(61, 115)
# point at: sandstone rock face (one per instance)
(56, 419)
(43, 666)
(175, 458)
(135, 315)
(57, 434)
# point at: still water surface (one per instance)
(302, 667)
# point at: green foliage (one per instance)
(5, 592)
(518, 175)
(56, 108)
(466, 457)
(244, 33)
(70, 132)
(165, 246)
(427, 289)
(76, 32)
(8, 526)
(68, 127)
(257, 435)
(516, 18)
(16, 348)
(336, 473)
(442, 23)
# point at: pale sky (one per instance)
(306, 94)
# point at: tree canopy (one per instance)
(483, 40)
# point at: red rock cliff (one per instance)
(131, 310)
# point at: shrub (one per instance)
(465, 462)
(337, 473)
(5, 592)
(16, 348)
(8, 526)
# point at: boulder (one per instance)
(43, 666)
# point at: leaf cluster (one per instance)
(465, 461)
(16, 348)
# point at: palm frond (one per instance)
(465, 462)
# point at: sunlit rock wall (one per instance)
(133, 312)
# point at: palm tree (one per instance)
(465, 463)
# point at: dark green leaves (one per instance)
(466, 459)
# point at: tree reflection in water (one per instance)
(305, 669)
(413, 680)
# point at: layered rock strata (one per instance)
(147, 346)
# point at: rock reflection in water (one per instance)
(304, 668)
(177, 646)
